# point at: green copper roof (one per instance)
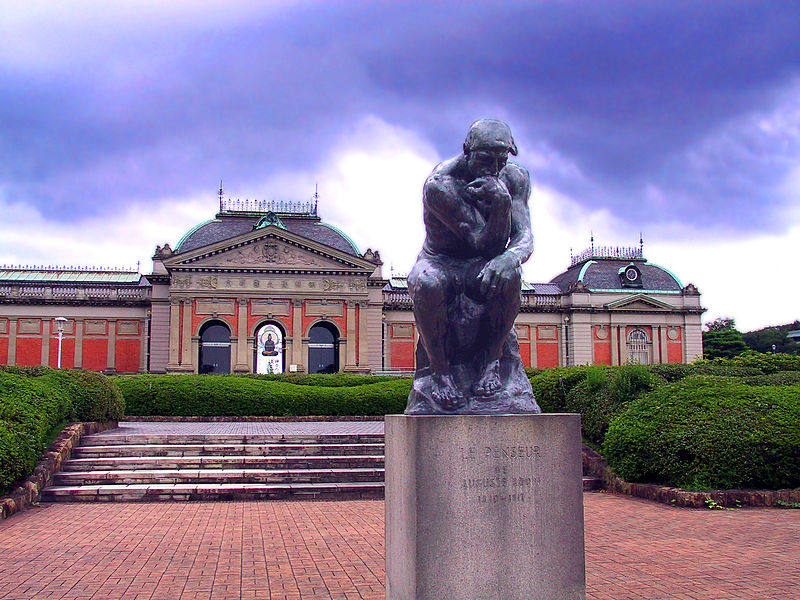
(68, 276)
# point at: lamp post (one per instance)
(60, 325)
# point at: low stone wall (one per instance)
(326, 418)
(595, 465)
(29, 492)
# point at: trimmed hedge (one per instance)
(226, 395)
(709, 432)
(323, 379)
(36, 402)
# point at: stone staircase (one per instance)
(223, 466)
(220, 467)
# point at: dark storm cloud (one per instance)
(655, 106)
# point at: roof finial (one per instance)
(641, 243)
(591, 240)
(219, 193)
(316, 197)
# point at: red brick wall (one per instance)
(675, 347)
(126, 356)
(29, 351)
(67, 352)
(546, 346)
(95, 354)
(4, 351)
(401, 346)
(602, 346)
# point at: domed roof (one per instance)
(226, 226)
(604, 274)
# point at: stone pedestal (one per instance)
(484, 507)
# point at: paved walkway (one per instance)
(635, 550)
(246, 428)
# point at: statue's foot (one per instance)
(489, 383)
(446, 393)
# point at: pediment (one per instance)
(639, 302)
(270, 249)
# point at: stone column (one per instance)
(623, 345)
(78, 343)
(350, 359)
(143, 346)
(111, 353)
(363, 347)
(186, 335)
(615, 345)
(241, 339)
(297, 335)
(662, 336)
(12, 342)
(46, 326)
(174, 334)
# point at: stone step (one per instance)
(225, 491)
(104, 439)
(197, 476)
(211, 448)
(130, 463)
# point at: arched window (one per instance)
(323, 349)
(639, 347)
(269, 349)
(215, 348)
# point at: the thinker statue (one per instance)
(466, 282)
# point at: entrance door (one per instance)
(323, 349)
(215, 349)
(269, 349)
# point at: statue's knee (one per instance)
(427, 282)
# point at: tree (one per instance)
(773, 339)
(721, 339)
(721, 324)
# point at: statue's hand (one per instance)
(489, 190)
(497, 273)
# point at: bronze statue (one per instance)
(466, 282)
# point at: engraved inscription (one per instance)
(499, 473)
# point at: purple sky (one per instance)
(122, 110)
(664, 114)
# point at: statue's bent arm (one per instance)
(442, 199)
(520, 246)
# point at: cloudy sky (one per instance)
(677, 119)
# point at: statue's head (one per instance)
(487, 146)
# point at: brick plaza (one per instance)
(635, 550)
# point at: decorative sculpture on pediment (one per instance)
(357, 284)
(181, 281)
(269, 252)
(329, 285)
(207, 282)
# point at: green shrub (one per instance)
(551, 386)
(223, 395)
(604, 392)
(780, 378)
(709, 432)
(35, 402)
(322, 379)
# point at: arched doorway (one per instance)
(639, 347)
(215, 348)
(323, 349)
(269, 349)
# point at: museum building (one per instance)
(269, 287)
